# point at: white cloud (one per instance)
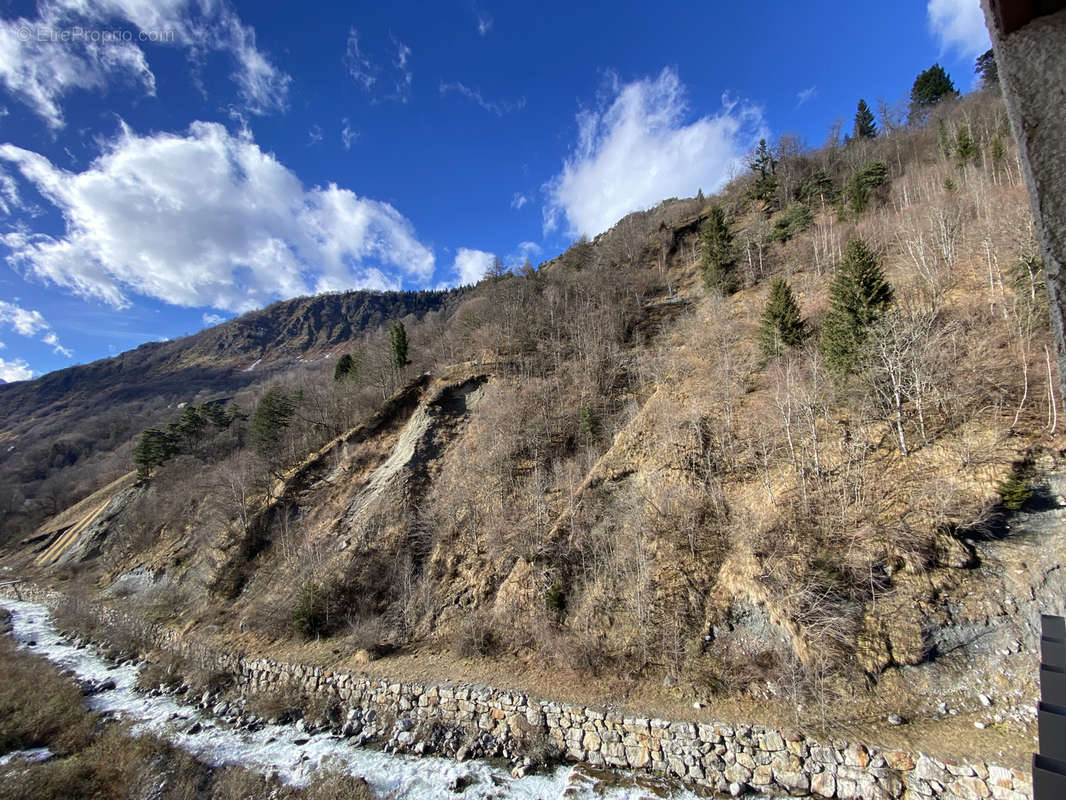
(484, 24)
(359, 67)
(263, 87)
(403, 82)
(21, 320)
(524, 250)
(207, 219)
(959, 25)
(40, 69)
(471, 265)
(368, 73)
(806, 95)
(518, 201)
(314, 135)
(53, 341)
(17, 370)
(26, 322)
(499, 109)
(348, 136)
(637, 150)
(212, 319)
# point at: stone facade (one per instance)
(727, 758)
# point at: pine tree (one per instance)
(717, 258)
(930, 87)
(988, 70)
(857, 189)
(588, 426)
(154, 449)
(398, 343)
(272, 416)
(864, 122)
(782, 325)
(344, 368)
(965, 147)
(764, 166)
(858, 296)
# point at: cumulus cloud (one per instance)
(484, 24)
(212, 319)
(637, 149)
(471, 265)
(518, 200)
(16, 370)
(959, 25)
(207, 219)
(475, 96)
(39, 68)
(27, 322)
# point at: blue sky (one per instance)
(167, 164)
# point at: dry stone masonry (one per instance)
(731, 759)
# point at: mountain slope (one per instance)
(60, 431)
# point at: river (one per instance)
(293, 755)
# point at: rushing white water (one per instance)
(274, 748)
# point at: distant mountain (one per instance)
(64, 418)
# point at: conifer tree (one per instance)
(717, 258)
(272, 416)
(398, 343)
(965, 148)
(344, 368)
(155, 448)
(858, 296)
(764, 166)
(782, 324)
(588, 426)
(861, 182)
(930, 87)
(864, 123)
(987, 69)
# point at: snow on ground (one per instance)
(33, 754)
(254, 365)
(284, 750)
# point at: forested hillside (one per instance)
(749, 443)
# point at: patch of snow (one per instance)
(274, 749)
(253, 366)
(32, 755)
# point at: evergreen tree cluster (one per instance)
(196, 423)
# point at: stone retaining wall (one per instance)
(726, 758)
